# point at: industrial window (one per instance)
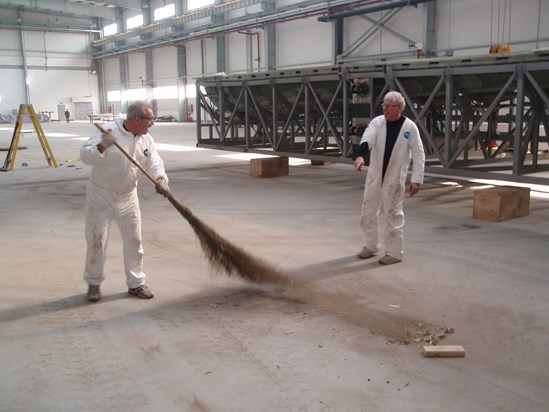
(110, 29)
(114, 96)
(196, 4)
(165, 92)
(134, 21)
(190, 91)
(136, 94)
(164, 12)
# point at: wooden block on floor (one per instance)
(444, 351)
(269, 167)
(501, 203)
(320, 163)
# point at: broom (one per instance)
(221, 254)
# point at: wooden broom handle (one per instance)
(130, 157)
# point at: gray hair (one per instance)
(396, 98)
(137, 109)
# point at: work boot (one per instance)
(141, 291)
(94, 293)
(388, 260)
(365, 253)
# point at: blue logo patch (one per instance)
(406, 135)
(146, 151)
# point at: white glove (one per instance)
(107, 140)
(162, 187)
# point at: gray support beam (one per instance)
(269, 38)
(149, 77)
(270, 47)
(220, 42)
(307, 115)
(247, 123)
(338, 37)
(519, 143)
(121, 24)
(221, 113)
(448, 116)
(203, 56)
(346, 118)
(430, 28)
(221, 52)
(25, 67)
(275, 134)
(103, 104)
(182, 104)
(181, 7)
(124, 81)
(146, 12)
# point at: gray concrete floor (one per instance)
(209, 342)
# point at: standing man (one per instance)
(392, 140)
(67, 115)
(112, 195)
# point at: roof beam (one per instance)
(62, 7)
(125, 4)
(372, 9)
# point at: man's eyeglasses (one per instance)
(146, 117)
(390, 106)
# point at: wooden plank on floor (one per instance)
(444, 351)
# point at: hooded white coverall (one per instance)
(386, 195)
(112, 195)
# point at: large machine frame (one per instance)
(479, 117)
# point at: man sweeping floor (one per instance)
(112, 195)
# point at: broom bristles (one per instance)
(224, 256)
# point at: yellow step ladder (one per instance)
(14, 145)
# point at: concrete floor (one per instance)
(209, 342)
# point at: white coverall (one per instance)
(112, 195)
(387, 196)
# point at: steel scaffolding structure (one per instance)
(481, 116)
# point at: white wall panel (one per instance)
(12, 90)
(111, 73)
(165, 64)
(471, 26)
(194, 59)
(50, 88)
(11, 42)
(57, 70)
(237, 56)
(136, 68)
(303, 43)
(210, 56)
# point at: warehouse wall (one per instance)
(57, 68)
(463, 27)
(471, 26)
(59, 63)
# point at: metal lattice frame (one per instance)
(478, 117)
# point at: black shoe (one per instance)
(94, 293)
(141, 291)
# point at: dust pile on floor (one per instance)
(395, 327)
